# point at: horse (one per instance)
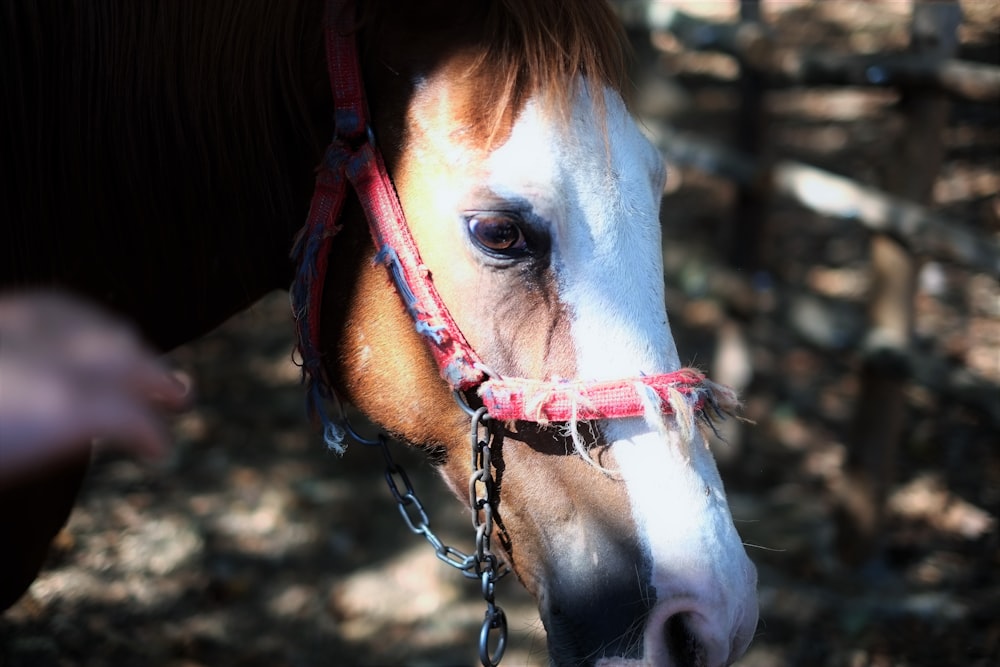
(160, 159)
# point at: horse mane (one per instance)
(182, 117)
(207, 70)
(534, 47)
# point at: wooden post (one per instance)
(880, 414)
(746, 223)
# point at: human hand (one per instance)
(71, 373)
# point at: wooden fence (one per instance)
(904, 230)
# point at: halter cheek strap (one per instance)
(352, 159)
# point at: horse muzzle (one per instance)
(613, 621)
(660, 578)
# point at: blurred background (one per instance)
(832, 248)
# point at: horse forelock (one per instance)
(497, 55)
(509, 51)
(542, 49)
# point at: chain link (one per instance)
(482, 564)
(482, 501)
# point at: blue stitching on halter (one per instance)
(387, 256)
(349, 124)
(334, 435)
(432, 331)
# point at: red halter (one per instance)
(352, 158)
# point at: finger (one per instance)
(57, 330)
(46, 418)
(44, 318)
(124, 425)
(127, 425)
(114, 356)
(151, 381)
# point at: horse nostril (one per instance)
(682, 643)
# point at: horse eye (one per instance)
(498, 234)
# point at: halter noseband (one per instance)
(352, 158)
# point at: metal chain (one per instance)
(482, 500)
(483, 564)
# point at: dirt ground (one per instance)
(253, 546)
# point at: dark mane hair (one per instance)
(157, 113)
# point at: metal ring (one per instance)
(495, 619)
(462, 403)
(357, 437)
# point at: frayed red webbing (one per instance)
(458, 363)
(538, 401)
(363, 166)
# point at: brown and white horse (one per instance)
(159, 159)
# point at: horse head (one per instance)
(534, 197)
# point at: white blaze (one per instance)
(604, 209)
